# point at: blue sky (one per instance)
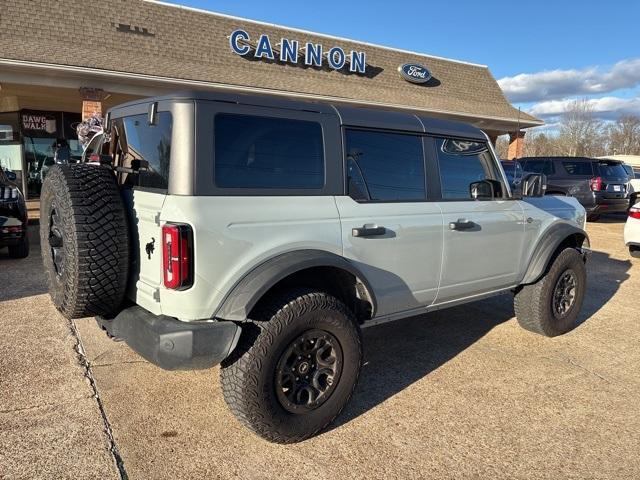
(544, 53)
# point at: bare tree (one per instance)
(502, 146)
(580, 131)
(540, 144)
(623, 136)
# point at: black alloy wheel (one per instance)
(564, 294)
(56, 241)
(308, 371)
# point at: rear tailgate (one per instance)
(615, 182)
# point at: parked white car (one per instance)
(632, 231)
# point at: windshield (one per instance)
(612, 169)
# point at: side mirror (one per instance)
(10, 175)
(534, 185)
(482, 190)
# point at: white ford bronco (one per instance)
(262, 233)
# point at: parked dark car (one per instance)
(600, 185)
(13, 218)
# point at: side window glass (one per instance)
(267, 152)
(534, 166)
(462, 163)
(549, 168)
(578, 168)
(151, 143)
(385, 166)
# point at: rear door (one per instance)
(483, 239)
(144, 194)
(389, 229)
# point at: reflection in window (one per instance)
(385, 166)
(462, 163)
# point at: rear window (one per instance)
(578, 168)
(151, 143)
(267, 152)
(611, 169)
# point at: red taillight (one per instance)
(177, 256)
(596, 184)
(634, 212)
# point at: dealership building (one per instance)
(63, 61)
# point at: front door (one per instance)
(483, 238)
(389, 230)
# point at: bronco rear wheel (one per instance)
(551, 306)
(84, 240)
(296, 366)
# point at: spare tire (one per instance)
(84, 240)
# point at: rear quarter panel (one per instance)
(233, 235)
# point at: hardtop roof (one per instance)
(369, 117)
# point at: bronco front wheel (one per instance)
(551, 305)
(295, 368)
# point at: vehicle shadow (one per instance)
(612, 218)
(397, 354)
(604, 277)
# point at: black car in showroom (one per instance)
(13, 217)
(600, 185)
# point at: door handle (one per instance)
(461, 224)
(368, 230)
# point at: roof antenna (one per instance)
(518, 132)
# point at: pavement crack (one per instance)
(86, 365)
(118, 363)
(34, 407)
(582, 367)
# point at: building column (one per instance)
(516, 145)
(91, 101)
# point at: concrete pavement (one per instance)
(455, 394)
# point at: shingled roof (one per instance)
(163, 40)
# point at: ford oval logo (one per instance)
(414, 73)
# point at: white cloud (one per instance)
(604, 108)
(555, 84)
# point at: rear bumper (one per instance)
(609, 205)
(170, 343)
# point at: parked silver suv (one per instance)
(262, 233)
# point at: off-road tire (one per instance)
(533, 303)
(21, 250)
(248, 375)
(93, 226)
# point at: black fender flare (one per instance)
(244, 295)
(547, 246)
